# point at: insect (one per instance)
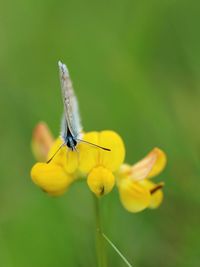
(71, 127)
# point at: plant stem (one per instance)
(100, 246)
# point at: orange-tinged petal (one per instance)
(155, 191)
(141, 169)
(148, 167)
(134, 197)
(42, 140)
(114, 158)
(51, 178)
(161, 161)
(100, 181)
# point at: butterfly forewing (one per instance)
(71, 119)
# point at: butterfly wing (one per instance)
(71, 118)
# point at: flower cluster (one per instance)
(103, 169)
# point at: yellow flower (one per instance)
(99, 164)
(136, 191)
(67, 165)
(54, 178)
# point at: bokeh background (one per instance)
(135, 68)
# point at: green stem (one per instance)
(100, 246)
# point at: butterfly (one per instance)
(71, 127)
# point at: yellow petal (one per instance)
(156, 199)
(51, 178)
(72, 159)
(161, 161)
(149, 166)
(91, 156)
(100, 181)
(134, 197)
(42, 141)
(59, 157)
(65, 157)
(155, 191)
(88, 154)
(114, 158)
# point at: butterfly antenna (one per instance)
(55, 153)
(101, 147)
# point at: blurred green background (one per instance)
(135, 67)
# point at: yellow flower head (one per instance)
(88, 160)
(102, 168)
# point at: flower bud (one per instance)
(42, 141)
